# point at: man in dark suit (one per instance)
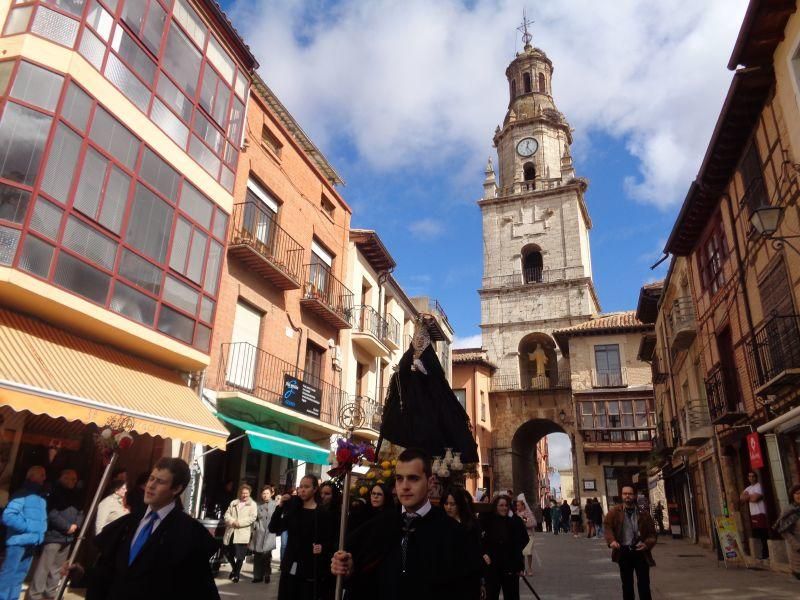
(418, 553)
(160, 553)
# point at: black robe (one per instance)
(422, 411)
(435, 562)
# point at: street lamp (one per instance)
(765, 221)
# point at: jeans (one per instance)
(630, 562)
(15, 568)
(556, 523)
(48, 571)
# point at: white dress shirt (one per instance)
(424, 509)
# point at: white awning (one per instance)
(786, 422)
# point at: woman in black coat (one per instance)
(305, 566)
(504, 537)
(457, 503)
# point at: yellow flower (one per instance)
(394, 462)
(371, 475)
(362, 491)
(387, 473)
(386, 464)
(381, 481)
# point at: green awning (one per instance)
(282, 444)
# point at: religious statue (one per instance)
(539, 359)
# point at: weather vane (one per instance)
(523, 29)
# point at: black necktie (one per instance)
(408, 518)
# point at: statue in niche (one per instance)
(539, 359)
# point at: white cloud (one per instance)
(425, 228)
(560, 450)
(470, 341)
(422, 84)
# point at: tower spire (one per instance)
(523, 29)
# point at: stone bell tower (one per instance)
(537, 268)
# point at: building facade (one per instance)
(727, 318)
(121, 124)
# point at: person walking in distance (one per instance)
(419, 552)
(64, 519)
(658, 514)
(25, 518)
(262, 542)
(565, 516)
(753, 495)
(546, 518)
(575, 517)
(555, 516)
(239, 518)
(597, 516)
(588, 511)
(631, 535)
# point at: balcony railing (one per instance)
(659, 369)
(724, 404)
(367, 320)
(247, 368)
(532, 276)
(682, 323)
(392, 333)
(326, 296)
(373, 411)
(634, 440)
(510, 382)
(266, 248)
(774, 354)
(609, 378)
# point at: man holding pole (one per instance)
(418, 553)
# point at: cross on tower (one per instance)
(523, 29)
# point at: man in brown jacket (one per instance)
(631, 534)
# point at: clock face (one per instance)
(527, 147)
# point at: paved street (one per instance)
(580, 569)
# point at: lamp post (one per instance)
(765, 221)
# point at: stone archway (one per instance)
(538, 362)
(524, 467)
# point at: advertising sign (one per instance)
(729, 542)
(754, 449)
(300, 396)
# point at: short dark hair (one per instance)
(114, 485)
(179, 469)
(505, 497)
(410, 454)
(633, 489)
(463, 501)
(268, 486)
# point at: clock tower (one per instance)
(537, 268)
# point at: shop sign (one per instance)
(301, 396)
(754, 450)
(730, 544)
(705, 451)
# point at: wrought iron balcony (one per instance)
(682, 323)
(260, 243)
(697, 429)
(532, 276)
(724, 402)
(249, 369)
(326, 296)
(609, 378)
(618, 440)
(773, 354)
(373, 411)
(392, 335)
(505, 382)
(369, 330)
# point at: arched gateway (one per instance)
(524, 466)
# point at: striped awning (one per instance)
(46, 370)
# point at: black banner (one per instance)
(301, 396)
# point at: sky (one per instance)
(403, 98)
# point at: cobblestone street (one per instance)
(580, 569)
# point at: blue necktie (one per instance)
(143, 536)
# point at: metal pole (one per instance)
(63, 583)
(343, 529)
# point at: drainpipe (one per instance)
(299, 331)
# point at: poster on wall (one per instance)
(729, 541)
(300, 396)
(754, 450)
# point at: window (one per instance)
(526, 82)
(271, 141)
(102, 192)
(313, 365)
(542, 87)
(513, 88)
(711, 256)
(23, 133)
(150, 224)
(607, 363)
(147, 21)
(461, 395)
(182, 60)
(618, 414)
(327, 206)
(528, 171)
(755, 192)
(483, 406)
(532, 264)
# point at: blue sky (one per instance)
(403, 98)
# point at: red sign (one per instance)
(754, 449)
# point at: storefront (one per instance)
(781, 439)
(57, 389)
